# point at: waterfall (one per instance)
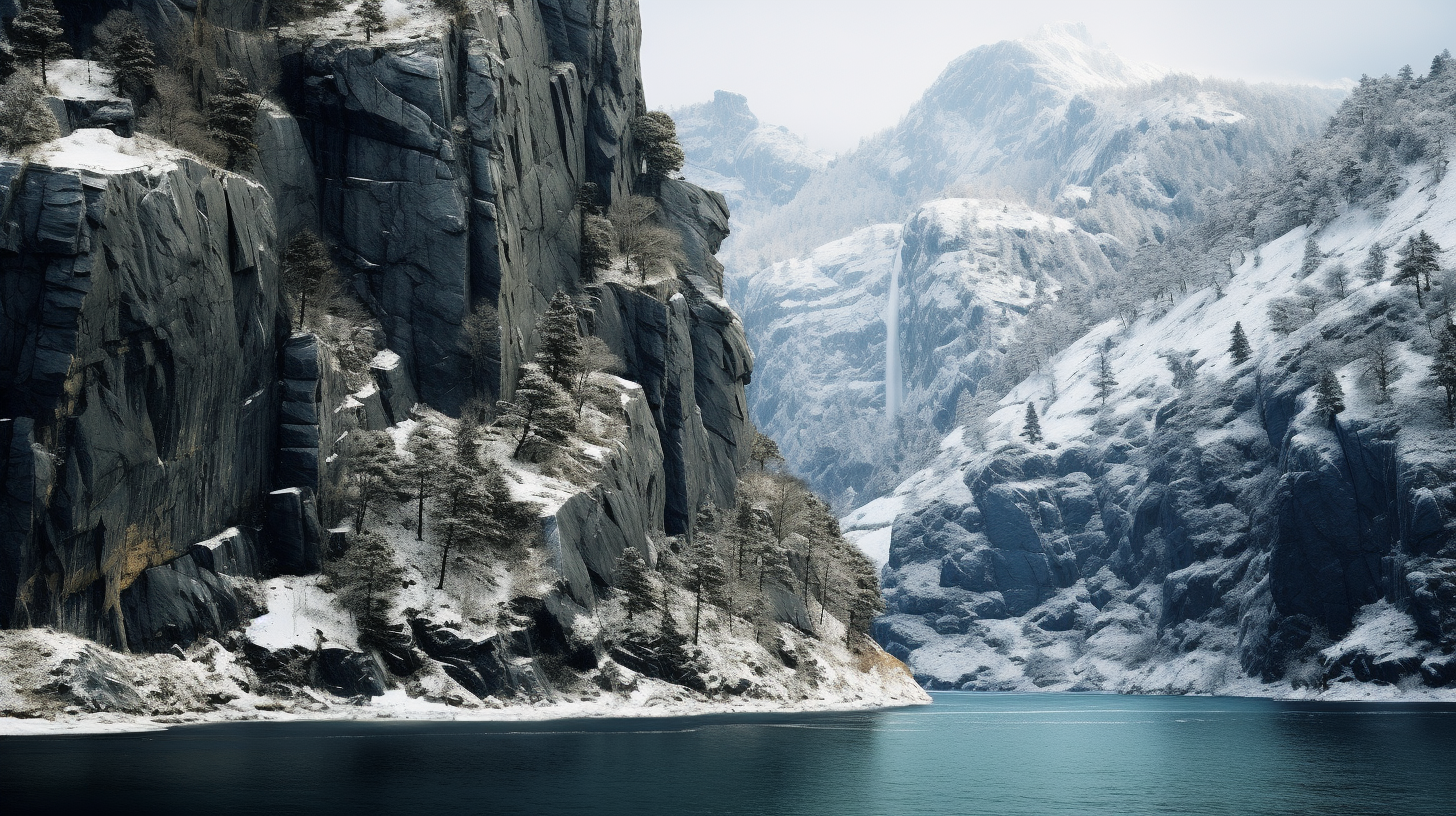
(894, 387)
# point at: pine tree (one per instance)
(428, 458)
(764, 451)
(1329, 396)
(560, 340)
(1375, 262)
(1239, 346)
(597, 239)
(635, 582)
(1417, 261)
(370, 15)
(232, 115)
(1312, 257)
(469, 516)
(25, 118)
(707, 576)
(745, 535)
(656, 134)
(1032, 427)
(1105, 381)
(367, 579)
(38, 36)
(309, 272)
(1443, 371)
(539, 411)
(123, 46)
(371, 459)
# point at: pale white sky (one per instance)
(838, 70)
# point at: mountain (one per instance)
(1058, 121)
(315, 428)
(1194, 523)
(957, 277)
(1109, 157)
(755, 166)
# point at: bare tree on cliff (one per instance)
(595, 357)
(1443, 371)
(1105, 381)
(38, 37)
(232, 114)
(646, 246)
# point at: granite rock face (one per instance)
(155, 395)
(450, 168)
(139, 343)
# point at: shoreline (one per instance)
(395, 706)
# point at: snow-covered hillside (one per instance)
(1211, 533)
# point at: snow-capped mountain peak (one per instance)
(1066, 56)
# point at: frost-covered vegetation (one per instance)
(1239, 480)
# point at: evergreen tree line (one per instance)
(780, 544)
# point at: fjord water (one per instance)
(1004, 754)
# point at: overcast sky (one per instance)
(838, 70)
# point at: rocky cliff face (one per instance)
(174, 454)
(141, 337)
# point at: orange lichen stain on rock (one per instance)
(871, 656)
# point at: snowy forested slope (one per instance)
(1209, 527)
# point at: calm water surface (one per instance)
(1003, 754)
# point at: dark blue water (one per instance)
(1045, 754)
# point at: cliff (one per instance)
(177, 454)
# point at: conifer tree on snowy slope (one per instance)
(1312, 257)
(634, 580)
(1031, 427)
(122, 46)
(1329, 396)
(370, 15)
(371, 458)
(428, 457)
(468, 516)
(1105, 381)
(1374, 264)
(38, 37)
(1239, 348)
(539, 412)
